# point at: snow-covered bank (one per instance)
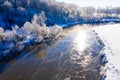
(110, 35)
(13, 41)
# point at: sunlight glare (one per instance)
(80, 40)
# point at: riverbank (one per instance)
(110, 35)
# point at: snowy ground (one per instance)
(110, 35)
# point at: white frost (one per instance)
(30, 33)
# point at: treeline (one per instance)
(19, 11)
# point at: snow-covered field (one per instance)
(110, 35)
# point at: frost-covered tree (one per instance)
(20, 11)
(7, 4)
(1, 34)
(39, 19)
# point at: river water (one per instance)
(62, 60)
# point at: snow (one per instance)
(110, 35)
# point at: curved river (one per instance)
(62, 60)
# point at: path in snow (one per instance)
(110, 35)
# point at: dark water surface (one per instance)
(61, 60)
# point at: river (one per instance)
(61, 60)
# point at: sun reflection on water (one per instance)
(80, 40)
(79, 46)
